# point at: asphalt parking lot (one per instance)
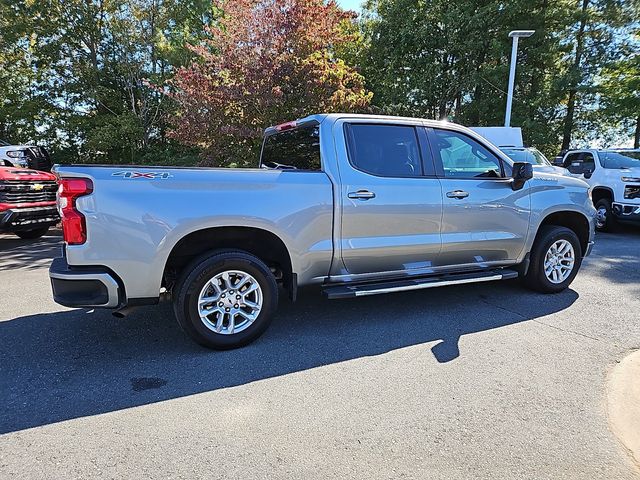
(479, 381)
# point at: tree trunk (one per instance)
(567, 129)
(636, 137)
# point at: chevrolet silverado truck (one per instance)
(614, 177)
(27, 202)
(357, 204)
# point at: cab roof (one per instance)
(322, 117)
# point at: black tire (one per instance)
(195, 277)
(603, 206)
(536, 278)
(32, 234)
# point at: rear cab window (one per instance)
(296, 149)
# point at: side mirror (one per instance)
(588, 173)
(522, 171)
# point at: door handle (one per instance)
(361, 195)
(460, 194)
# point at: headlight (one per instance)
(16, 154)
(630, 179)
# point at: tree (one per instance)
(442, 59)
(266, 61)
(82, 72)
(596, 42)
(24, 84)
(620, 94)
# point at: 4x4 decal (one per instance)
(149, 175)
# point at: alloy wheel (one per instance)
(230, 302)
(559, 261)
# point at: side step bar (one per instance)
(363, 289)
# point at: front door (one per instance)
(391, 201)
(484, 220)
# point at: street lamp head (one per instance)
(521, 33)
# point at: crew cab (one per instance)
(27, 202)
(357, 204)
(614, 176)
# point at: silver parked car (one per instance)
(360, 205)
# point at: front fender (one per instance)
(554, 194)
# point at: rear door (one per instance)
(391, 200)
(484, 221)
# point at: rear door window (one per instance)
(384, 150)
(296, 149)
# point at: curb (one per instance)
(623, 403)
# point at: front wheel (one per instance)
(32, 234)
(555, 260)
(605, 221)
(226, 300)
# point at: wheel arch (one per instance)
(571, 219)
(264, 244)
(599, 192)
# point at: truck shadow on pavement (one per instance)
(77, 363)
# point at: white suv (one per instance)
(614, 176)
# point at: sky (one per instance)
(350, 4)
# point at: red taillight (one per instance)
(74, 226)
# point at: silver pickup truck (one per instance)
(359, 205)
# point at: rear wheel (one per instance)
(555, 259)
(32, 234)
(605, 221)
(226, 300)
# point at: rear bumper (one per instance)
(84, 286)
(626, 212)
(30, 218)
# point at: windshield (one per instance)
(528, 155)
(630, 159)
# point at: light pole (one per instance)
(516, 34)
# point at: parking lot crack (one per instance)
(566, 330)
(540, 322)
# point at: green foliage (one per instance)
(108, 80)
(81, 72)
(450, 60)
(619, 90)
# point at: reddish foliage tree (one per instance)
(266, 62)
